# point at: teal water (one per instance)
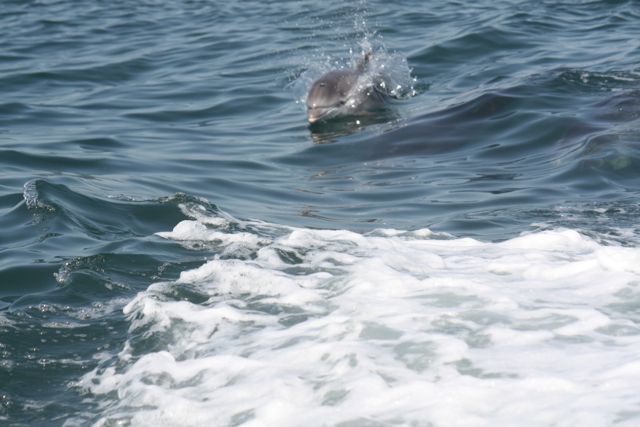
(114, 116)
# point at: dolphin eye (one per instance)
(323, 84)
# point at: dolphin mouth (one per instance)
(315, 115)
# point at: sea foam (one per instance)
(332, 327)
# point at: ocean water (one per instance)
(179, 247)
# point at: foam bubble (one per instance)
(193, 233)
(332, 327)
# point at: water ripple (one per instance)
(123, 118)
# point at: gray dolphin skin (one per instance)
(340, 92)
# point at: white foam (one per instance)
(332, 327)
(193, 233)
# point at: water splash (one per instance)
(40, 210)
(357, 39)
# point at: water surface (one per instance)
(178, 245)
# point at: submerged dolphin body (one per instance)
(346, 92)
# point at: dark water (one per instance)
(113, 115)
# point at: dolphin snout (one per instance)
(317, 114)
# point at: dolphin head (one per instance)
(329, 94)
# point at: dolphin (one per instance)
(346, 92)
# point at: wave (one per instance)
(293, 326)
